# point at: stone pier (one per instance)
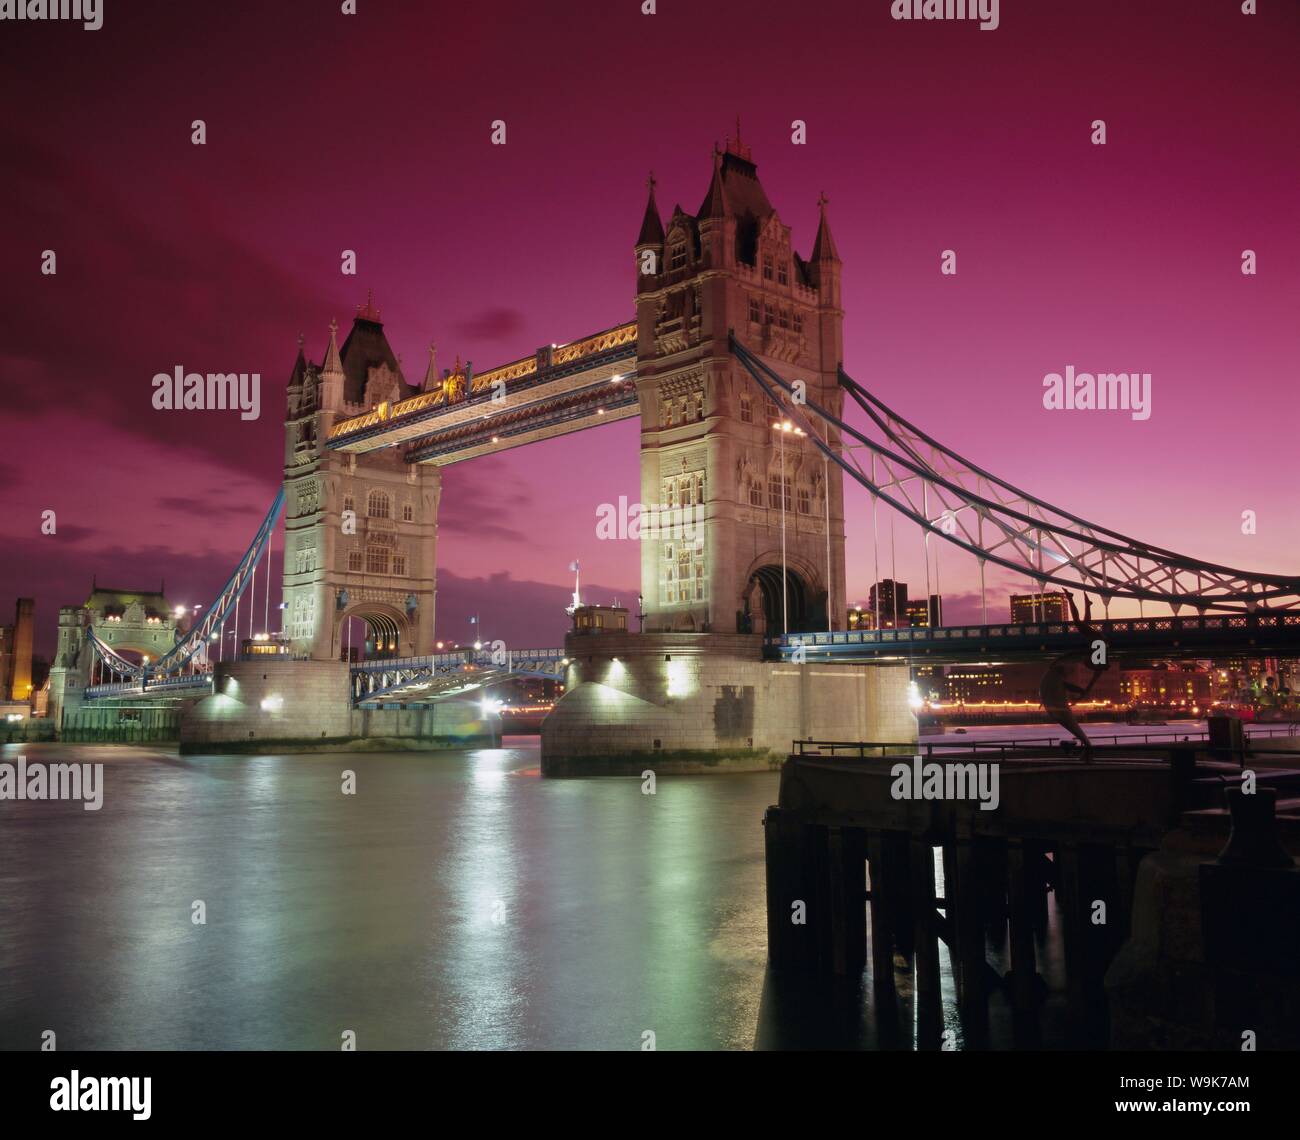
(708, 702)
(306, 706)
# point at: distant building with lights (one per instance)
(16, 653)
(925, 615)
(1029, 609)
(860, 617)
(889, 603)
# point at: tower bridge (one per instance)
(734, 367)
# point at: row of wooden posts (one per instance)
(823, 881)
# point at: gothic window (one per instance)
(755, 310)
(682, 577)
(805, 501)
(668, 413)
(408, 513)
(798, 321)
(746, 409)
(671, 490)
(699, 404)
(699, 489)
(755, 494)
(769, 314)
(399, 563)
(681, 408)
(771, 411)
(677, 259)
(303, 623)
(785, 318)
(377, 505)
(356, 560)
(767, 267)
(349, 503)
(783, 273)
(376, 560)
(308, 497)
(778, 491)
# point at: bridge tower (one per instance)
(360, 530)
(708, 438)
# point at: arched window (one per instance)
(356, 560)
(376, 560)
(377, 505)
(408, 513)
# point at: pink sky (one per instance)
(329, 132)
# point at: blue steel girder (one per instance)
(188, 645)
(1164, 637)
(970, 508)
(445, 675)
(178, 687)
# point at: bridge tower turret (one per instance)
(711, 441)
(360, 530)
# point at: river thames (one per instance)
(455, 901)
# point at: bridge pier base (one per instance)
(704, 702)
(306, 706)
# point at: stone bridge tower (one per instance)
(710, 438)
(360, 530)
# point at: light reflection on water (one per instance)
(456, 901)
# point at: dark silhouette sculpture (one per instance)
(1055, 690)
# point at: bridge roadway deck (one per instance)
(1190, 637)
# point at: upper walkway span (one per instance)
(558, 390)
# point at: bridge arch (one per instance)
(389, 632)
(759, 606)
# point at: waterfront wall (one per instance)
(307, 706)
(704, 702)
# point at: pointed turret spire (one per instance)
(652, 227)
(299, 365)
(715, 201)
(431, 375)
(824, 247)
(332, 361)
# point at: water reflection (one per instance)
(455, 901)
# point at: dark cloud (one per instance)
(492, 324)
(487, 501)
(83, 341)
(206, 508)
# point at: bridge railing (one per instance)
(156, 684)
(885, 635)
(456, 657)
